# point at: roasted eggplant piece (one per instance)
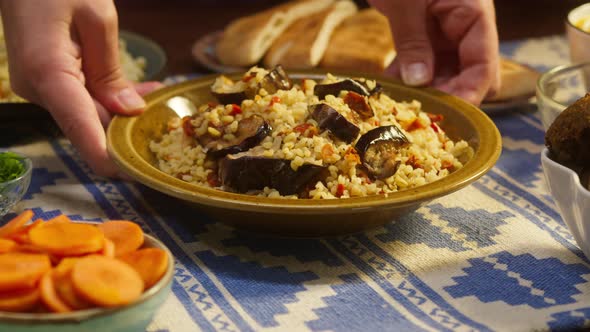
(276, 79)
(226, 98)
(251, 131)
(243, 172)
(322, 90)
(330, 119)
(378, 149)
(359, 104)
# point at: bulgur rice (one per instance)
(297, 138)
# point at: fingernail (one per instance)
(130, 100)
(415, 74)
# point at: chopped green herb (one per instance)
(11, 166)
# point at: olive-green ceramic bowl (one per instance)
(128, 143)
(134, 317)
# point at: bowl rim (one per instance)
(553, 72)
(28, 163)
(119, 146)
(569, 22)
(79, 316)
(564, 169)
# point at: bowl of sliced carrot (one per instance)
(78, 276)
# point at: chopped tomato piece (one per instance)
(446, 164)
(352, 156)
(358, 104)
(415, 125)
(188, 127)
(340, 190)
(434, 127)
(327, 151)
(235, 109)
(274, 100)
(435, 117)
(306, 129)
(213, 179)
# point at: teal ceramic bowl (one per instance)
(11, 192)
(130, 318)
(155, 57)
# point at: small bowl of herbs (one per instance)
(15, 178)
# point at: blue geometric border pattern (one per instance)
(521, 279)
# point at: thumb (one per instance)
(98, 32)
(409, 25)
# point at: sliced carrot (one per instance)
(6, 245)
(63, 284)
(22, 235)
(66, 291)
(126, 235)
(150, 263)
(15, 224)
(28, 248)
(106, 281)
(108, 248)
(65, 266)
(49, 295)
(19, 301)
(22, 271)
(67, 239)
(62, 218)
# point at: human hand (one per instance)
(63, 55)
(450, 44)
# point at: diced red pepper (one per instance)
(340, 190)
(435, 117)
(434, 127)
(235, 109)
(187, 127)
(274, 100)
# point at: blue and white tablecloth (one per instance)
(493, 256)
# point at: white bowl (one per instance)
(578, 38)
(571, 197)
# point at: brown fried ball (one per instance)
(568, 137)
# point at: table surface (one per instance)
(494, 256)
(177, 24)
